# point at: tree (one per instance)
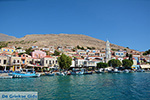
(146, 52)
(102, 65)
(64, 61)
(19, 48)
(93, 48)
(114, 63)
(82, 48)
(89, 48)
(127, 55)
(56, 53)
(29, 50)
(78, 47)
(130, 57)
(127, 63)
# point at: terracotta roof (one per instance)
(48, 56)
(80, 58)
(93, 56)
(8, 48)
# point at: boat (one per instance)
(116, 71)
(60, 74)
(101, 70)
(86, 72)
(49, 74)
(23, 75)
(6, 77)
(80, 73)
(73, 73)
(27, 73)
(140, 70)
(97, 71)
(126, 71)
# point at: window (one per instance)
(0, 61)
(12, 50)
(14, 61)
(4, 61)
(49, 61)
(8, 50)
(4, 49)
(56, 61)
(46, 61)
(53, 61)
(17, 61)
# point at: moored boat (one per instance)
(87, 72)
(116, 71)
(49, 74)
(23, 75)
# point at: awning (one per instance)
(145, 66)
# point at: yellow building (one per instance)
(6, 49)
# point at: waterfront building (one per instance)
(108, 53)
(37, 54)
(79, 62)
(25, 59)
(49, 61)
(3, 61)
(8, 50)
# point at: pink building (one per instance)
(38, 54)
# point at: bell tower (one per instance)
(108, 53)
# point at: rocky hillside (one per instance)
(4, 37)
(45, 40)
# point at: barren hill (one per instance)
(60, 40)
(4, 37)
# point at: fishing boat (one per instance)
(140, 70)
(116, 71)
(99, 71)
(126, 71)
(60, 74)
(87, 72)
(5, 76)
(80, 73)
(49, 74)
(23, 75)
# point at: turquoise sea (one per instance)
(121, 86)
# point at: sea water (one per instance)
(107, 86)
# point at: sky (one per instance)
(122, 22)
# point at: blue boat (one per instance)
(86, 72)
(23, 75)
(49, 74)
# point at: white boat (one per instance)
(80, 73)
(60, 74)
(116, 71)
(6, 77)
(126, 71)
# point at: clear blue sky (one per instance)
(123, 22)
